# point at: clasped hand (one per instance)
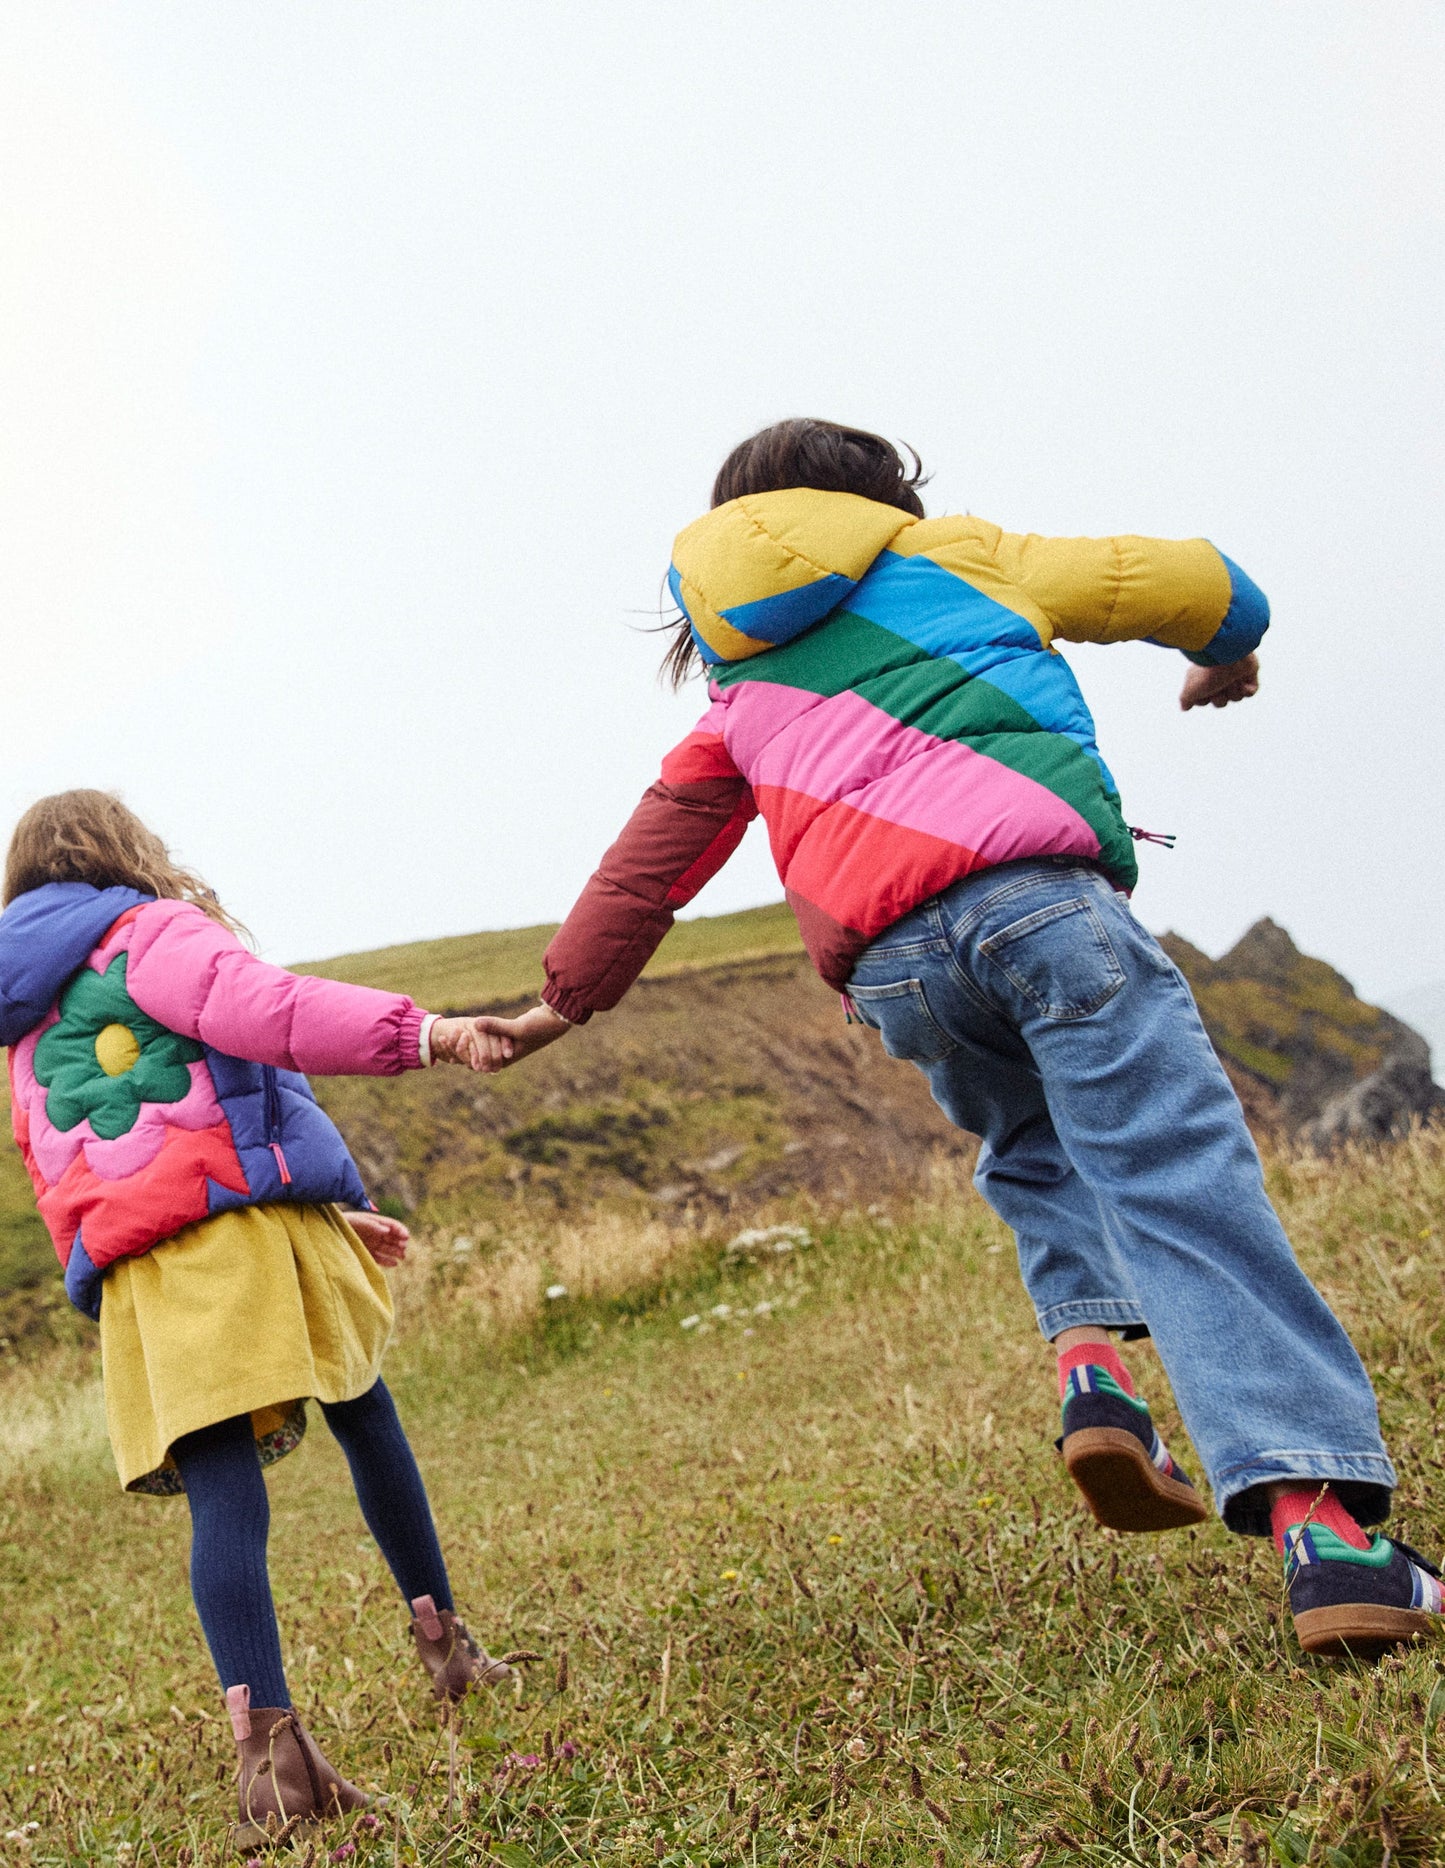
(489, 1044)
(485, 1044)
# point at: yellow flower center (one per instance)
(117, 1050)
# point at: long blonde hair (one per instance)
(90, 836)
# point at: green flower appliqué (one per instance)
(105, 1058)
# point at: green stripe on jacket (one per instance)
(936, 696)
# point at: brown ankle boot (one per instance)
(284, 1780)
(449, 1653)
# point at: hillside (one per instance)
(732, 1409)
(808, 1581)
(464, 971)
(729, 1077)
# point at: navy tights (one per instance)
(231, 1517)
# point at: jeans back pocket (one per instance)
(1059, 958)
(899, 1013)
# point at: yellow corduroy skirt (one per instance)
(253, 1312)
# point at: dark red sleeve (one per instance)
(686, 827)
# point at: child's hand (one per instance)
(472, 1042)
(1217, 687)
(534, 1030)
(385, 1239)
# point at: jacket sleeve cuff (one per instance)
(409, 1038)
(424, 1040)
(1245, 622)
(568, 1005)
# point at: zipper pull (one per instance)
(1165, 839)
(281, 1164)
(850, 1016)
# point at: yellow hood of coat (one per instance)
(760, 570)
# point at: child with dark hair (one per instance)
(208, 1216)
(883, 689)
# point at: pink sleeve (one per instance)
(194, 977)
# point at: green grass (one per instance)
(468, 970)
(809, 1582)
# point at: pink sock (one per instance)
(1304, 1503)
(1096, 1355)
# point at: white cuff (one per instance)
(555, 1013)
(424, 1039)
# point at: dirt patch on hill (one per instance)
(717, 1089)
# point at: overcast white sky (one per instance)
(358, 364)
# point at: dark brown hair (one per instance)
(804, 452)
(90, 836)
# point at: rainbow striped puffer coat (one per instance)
(886, 692)
(155, 1071)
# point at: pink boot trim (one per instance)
(238, 1704)
(424, 1608)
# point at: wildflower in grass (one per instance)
(770, 1238)
(835, 1538)
(986, 1502)
(729, 1576)
(742, 1375)
(554, 1291)
(691, 1323)
(722, 1310)
(370, 1823)
(344, 1853)
(462, 1247)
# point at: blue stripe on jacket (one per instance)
(1245, 621)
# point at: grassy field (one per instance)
(809, 1583)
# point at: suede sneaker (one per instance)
(1118, 1461)
(1349, 1602)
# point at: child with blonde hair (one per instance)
(208, 1215)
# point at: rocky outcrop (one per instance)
(1307, 1054)
(1384, 1103)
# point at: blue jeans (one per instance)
(1049, 1023)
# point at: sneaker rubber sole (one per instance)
(1361, 1630)
(1123, 1487)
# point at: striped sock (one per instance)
(1314, 1504)
(1093, 1355)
